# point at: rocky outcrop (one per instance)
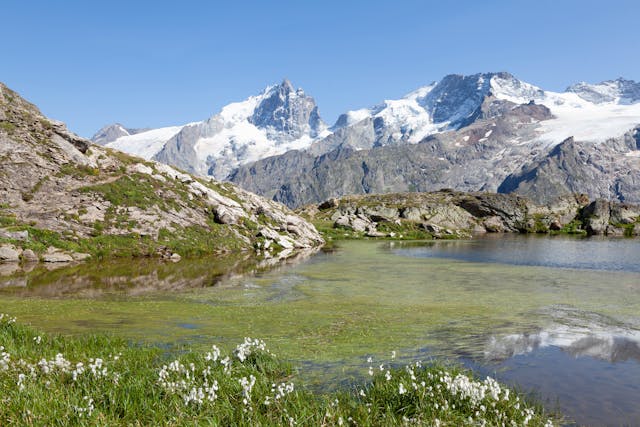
(602, 171)
(57, 189)
(611, 218)
(450, 214)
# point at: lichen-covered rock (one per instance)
(494, 224)
(623, 213)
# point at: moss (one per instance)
(405, 230)
(7, 220)
(250, 225)
(118, 246)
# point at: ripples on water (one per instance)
(556, 251)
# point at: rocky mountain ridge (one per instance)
(63, 198)
(486, 132)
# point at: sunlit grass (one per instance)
(96, 380)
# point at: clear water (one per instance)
(559, 317)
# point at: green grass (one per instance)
(187, 241)
(574, 227)
(133, 190)
(7, 220)
(198, 241)
(7, 127)
(77, 171)
(98, 380)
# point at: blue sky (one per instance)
(158, 63)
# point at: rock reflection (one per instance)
(139, 276)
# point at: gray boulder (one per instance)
(54, 255)
(29, 256)
(14, 235)
(596, 216)
(9, 253)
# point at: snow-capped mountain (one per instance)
(487, 131)
(279, 119)
(586, 112)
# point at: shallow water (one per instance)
(557, 316)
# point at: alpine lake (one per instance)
(557, 317)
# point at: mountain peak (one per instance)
(286, 110)
(286, 85)
(456, 98)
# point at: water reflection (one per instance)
(593, 253)
(577, 333)
(134, 276)
(608, 347)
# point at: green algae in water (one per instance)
(341, 306)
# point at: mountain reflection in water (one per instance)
(577, 333)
